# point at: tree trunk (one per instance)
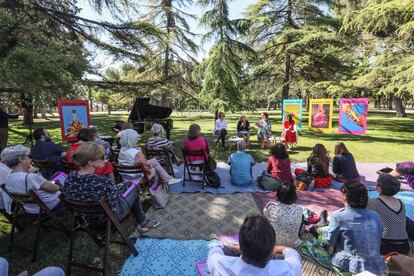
(167, 4)
(399, 107)
(268, 104)
(35, 112)
(286, 79)
(389, 103)
(27, 116)
(109, 109)
(43, 113)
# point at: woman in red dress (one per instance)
(289, 136)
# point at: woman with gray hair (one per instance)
(392, 214)
(21, 180)
(158, 142)
(130, 155)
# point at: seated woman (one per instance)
(21, 180)
(241, 164)
(405, 170)
(265, 130)
(392, 214)
(220, 129)
(286, 217)
(278, 164)
(289, 135)
(194, 141)
(158, 142)
(344, 164)
(243, 129)
(318, 167)
(131, 155)
(353, 234)
(84, 186)
(256, 251)
(88, 135)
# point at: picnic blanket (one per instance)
(407, 197)
(165, 257)
(316, 200)
(202, 216)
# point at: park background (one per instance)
(241, 57)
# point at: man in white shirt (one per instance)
(257, 238)
(220, 129)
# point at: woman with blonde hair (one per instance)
(130, 155)
(85, 186)
(243, 129)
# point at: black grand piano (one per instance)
(143, 115)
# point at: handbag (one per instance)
(160, 195)
(268, 183)
(211, 163)
(399, 264)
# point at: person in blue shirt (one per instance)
(241, 166)
(46, 149)
(351, 242)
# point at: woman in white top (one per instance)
(130, 155)
(220, 129)
(20, 180)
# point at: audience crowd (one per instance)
(353, 240)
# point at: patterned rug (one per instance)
(202, 216)
(165, 257)
(407, 197)
(316, 201)
(158, 257)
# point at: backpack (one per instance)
(213, 179)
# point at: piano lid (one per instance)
(143, 110)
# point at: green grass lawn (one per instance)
(388, 139)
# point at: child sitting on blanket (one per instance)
(256, 246)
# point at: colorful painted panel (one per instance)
(294, 107)
(321, 112)
(353, 114)
(74, 115)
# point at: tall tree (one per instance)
(391, 64)
(297, 40)
(223, 68)
(173, 55)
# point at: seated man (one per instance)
(241, 166)
(257, 248)
(46, 149)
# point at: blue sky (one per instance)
(236, 7)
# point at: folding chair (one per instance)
(200, 165)
(44, 215)
(164, 154)
(99, 231)
(46, 167)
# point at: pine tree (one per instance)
(223, 68)
(297, 41)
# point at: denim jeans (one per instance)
(132, 203)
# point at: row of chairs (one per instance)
(100, 232)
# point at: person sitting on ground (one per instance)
(220, 129)
(392, 213)
(241, 164)
(289, 135)
(286, 217)
(45, 149)
(264, 132)
(21, 180)
(278, 164)
(257, 241)
(354, 234)
(195, 142)
(131, 155)
(243, 129)
(344, 164)
(85, 186)
(318, 167)
(87, 135)
(406, 170)
(158, 142)
(47, 271)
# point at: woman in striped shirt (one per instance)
(158, 142)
